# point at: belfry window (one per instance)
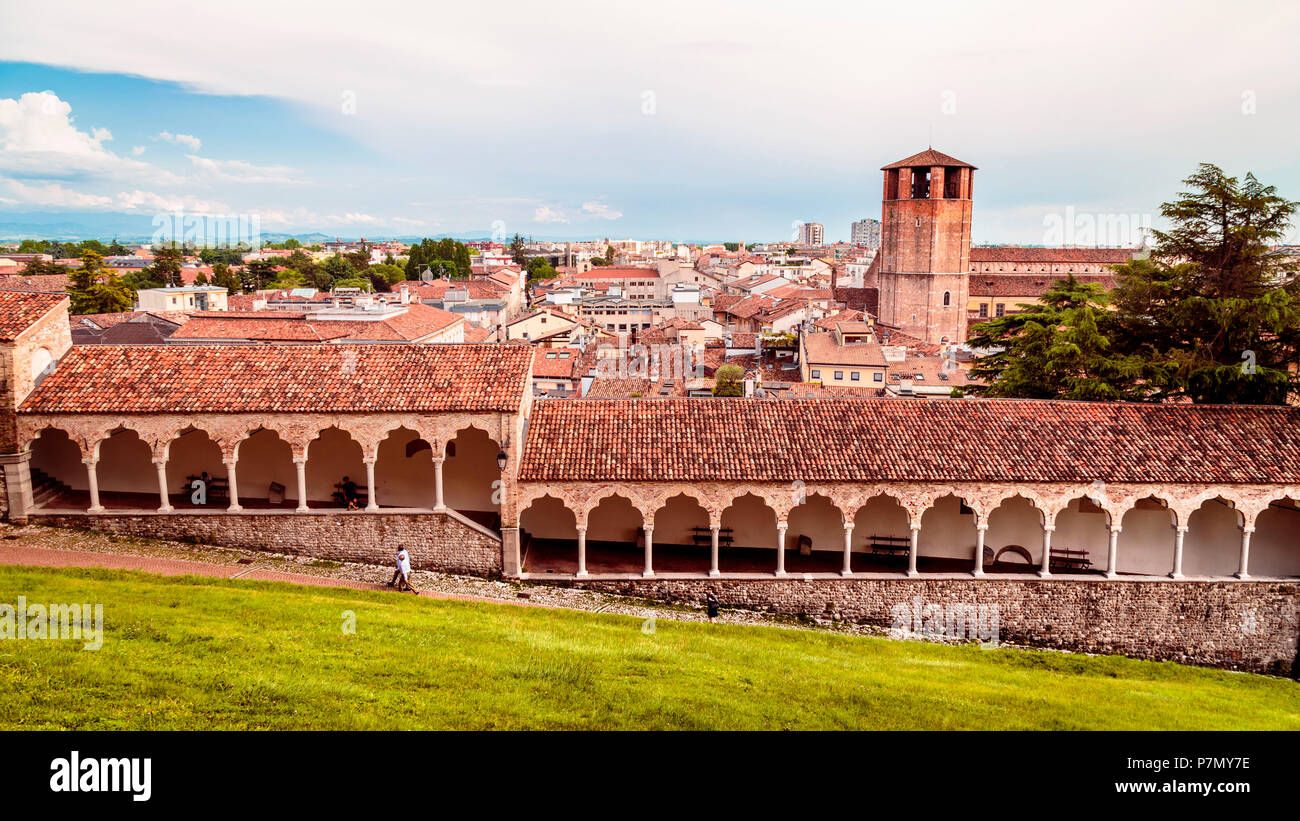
(947, 299)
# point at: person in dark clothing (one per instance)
(349, 492)
(711, 604)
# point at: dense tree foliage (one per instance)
(450, 255)
(96, 289)
(1212, 315)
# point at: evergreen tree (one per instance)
(96, 289)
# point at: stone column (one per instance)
(165, 505)
(438, 503)
(979, 549)
(510, 552)
(300, 464)
(713, 554)
(1046, 569)
(582, 550)
(780, 548)
(649, 550)
(92, 477)
(1112, 559)
(234, 485)
(911, 553)
(372, 503)
(1177, 572)
(18, 484)
(847, 570)
(1243, 569)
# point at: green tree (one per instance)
(517, 247)
(223, 276)
(728, 380)
(1214, 312)
(1060, 348)
(390, 272)
(166, 266)
(96, 289)
(538, 269)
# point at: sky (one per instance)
(690, 121)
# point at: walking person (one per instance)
(711, 603)
(404, 569)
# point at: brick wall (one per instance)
(435, 541)
(1239, 625)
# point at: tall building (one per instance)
(865, 232)
(925, 253)
(811, 233)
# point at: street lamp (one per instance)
(501, 459)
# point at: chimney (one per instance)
(405, 293)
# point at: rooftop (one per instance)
(19, 310)
(284, 379)
(872, 440)
(928, 158)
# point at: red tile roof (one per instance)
(1028, 285)
(20, 310)
(869, 440)
(284, 379)
(927, 158)
(1031, 254)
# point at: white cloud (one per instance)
(152, 201)
(545, 213)
(599, 209)
(137, 150)
(54, 195)
(352, 219)
(240, 171)
(188, 140)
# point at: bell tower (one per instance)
(925, 246)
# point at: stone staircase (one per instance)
(45, 488)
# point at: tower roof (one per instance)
(927, 158)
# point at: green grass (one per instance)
(191, 653)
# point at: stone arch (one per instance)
(336, 471)
(264, 469)
(125, 470)
(1146, 544)
(59, 476)
(1015, 529)
(471, 478)
(1274, 547)
(1082, 523)
(548, 535)
(881, 527)
(192, 453)
(752, 523)
(404, 469)
(820, 523)
(615, 537)
(678, 545)
(1212, 544)
(948, 534)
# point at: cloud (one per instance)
(152, 201)
(188, 140)
(38, 140)
(352, 219)
(599, 209)
(546, 213)
(54, 195)
(240, 171)
(137, 150)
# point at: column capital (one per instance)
(1116, 528)
(159, 461)
(90, 463)
(369, 460)
(1182, 528)
(582, 528)
(300, 460)
(915, 527)
(1049, 528)
(230, 461)
(982, 526)
(1248, 529)
(438, 460)
(715, 527)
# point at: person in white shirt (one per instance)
(404, 568)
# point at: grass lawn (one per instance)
(191, 653)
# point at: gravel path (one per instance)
(34, 545)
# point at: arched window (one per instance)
(42, 365)
(947, 298)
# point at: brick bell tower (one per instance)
(925, 246)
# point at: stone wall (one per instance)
(1238, 625)
(435, 541)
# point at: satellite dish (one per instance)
(426, 275)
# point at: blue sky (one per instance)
(688, 121)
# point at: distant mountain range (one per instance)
(139, 228)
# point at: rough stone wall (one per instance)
(1240, 625)
(434, 540)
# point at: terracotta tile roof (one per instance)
(871, 440)
(19, 310)
(1030, 254)
(828, 323)
(927, 158)
(824, 350)
(1028, 285)
(556, 363)
(39, 284)
(605, 272)
(416, 322)
(284, 379)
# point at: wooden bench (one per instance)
(218, 486)
(890, 545)
(1069, 559)
(704, 536)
